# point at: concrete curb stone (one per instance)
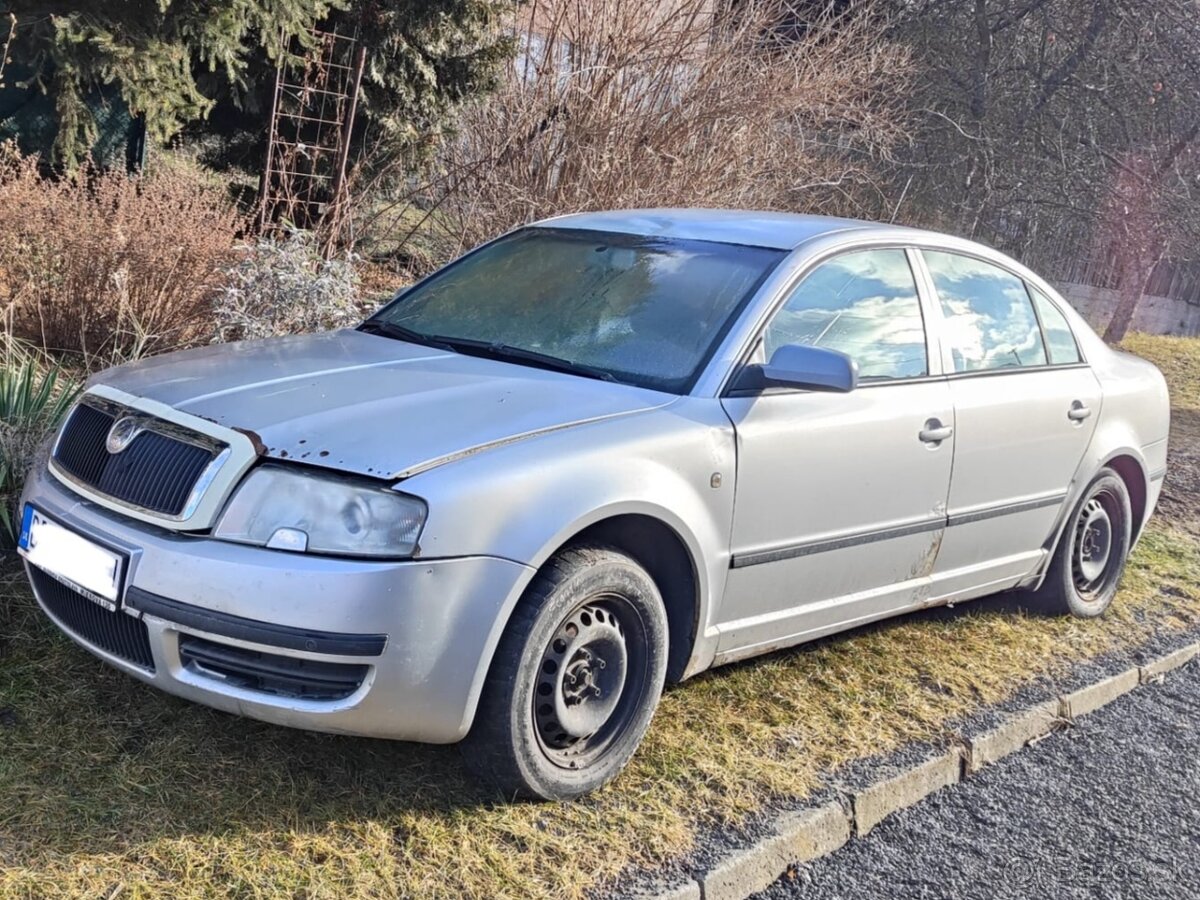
(1091, 698)
(1011, 735)
(880, 800)
(799, 837)
(675, 889)
(1167, 663)
(809, 834)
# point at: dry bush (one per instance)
(108, 266)
(608, 105)
(285, 286)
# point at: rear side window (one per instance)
(1060, 342)
(863, 304)
(989, 319)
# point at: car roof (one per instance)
(777, 230)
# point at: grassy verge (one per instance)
(109, 786)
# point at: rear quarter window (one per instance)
(1060, 340)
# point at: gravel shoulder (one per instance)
(1103, 809)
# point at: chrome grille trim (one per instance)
(220, 453)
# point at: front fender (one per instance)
(525, 500)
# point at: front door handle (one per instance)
(935, 432)
(1078, 411)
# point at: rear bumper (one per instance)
(421, 633)
(1155, 457)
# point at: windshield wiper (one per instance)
(400, 333)
(496, 350)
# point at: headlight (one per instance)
(291, 509)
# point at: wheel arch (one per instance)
(1131, 469)
(663, 553)
(669, 551)
(1133, 473)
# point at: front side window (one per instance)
(988, 317)
(863, 304)
(1059, 339)
(639, 309)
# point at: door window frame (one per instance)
(1031, 289)
(934, 358)
(940, 319)
(940, 357)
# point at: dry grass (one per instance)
(107, 784)
(1180, 500)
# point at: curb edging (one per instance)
(799, 837)
(1012, 734)
(875, 803)
(1171, 661)
(808, 834)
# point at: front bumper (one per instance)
(438, 622)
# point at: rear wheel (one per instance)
(1090, 559)
(575, 680)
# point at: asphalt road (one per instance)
(1107, 809)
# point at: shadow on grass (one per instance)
(93, 760)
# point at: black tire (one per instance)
(1090, 559)
(575, 679)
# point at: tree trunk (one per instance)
(1133, 286)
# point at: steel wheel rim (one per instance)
(1093, 557)
(590, 679)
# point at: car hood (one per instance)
(368, 404)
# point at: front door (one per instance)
(840, 501)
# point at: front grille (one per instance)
(115, 632)
(283, 676)
(156, 472)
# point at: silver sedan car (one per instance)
(596, 454)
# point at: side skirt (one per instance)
(917, 595)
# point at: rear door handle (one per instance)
(935, 432)
(1078, 411)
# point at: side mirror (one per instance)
(801, 366)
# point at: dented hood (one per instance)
(368, 404)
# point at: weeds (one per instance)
(34, 395)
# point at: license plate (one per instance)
(95, 571)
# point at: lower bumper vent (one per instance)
(268, 673)
(117, 632)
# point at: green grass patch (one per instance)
(108, 785)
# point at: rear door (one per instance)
(840, 500)
(1025, 407)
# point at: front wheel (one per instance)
(575, 679)
(1090, 559)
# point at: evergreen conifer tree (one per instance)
(172, 60)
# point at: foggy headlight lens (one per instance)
(303, 511)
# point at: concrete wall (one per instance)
(1155, 315)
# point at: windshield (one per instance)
(644, 310)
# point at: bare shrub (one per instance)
(108, 266)
(285, 287)
(620, 103)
